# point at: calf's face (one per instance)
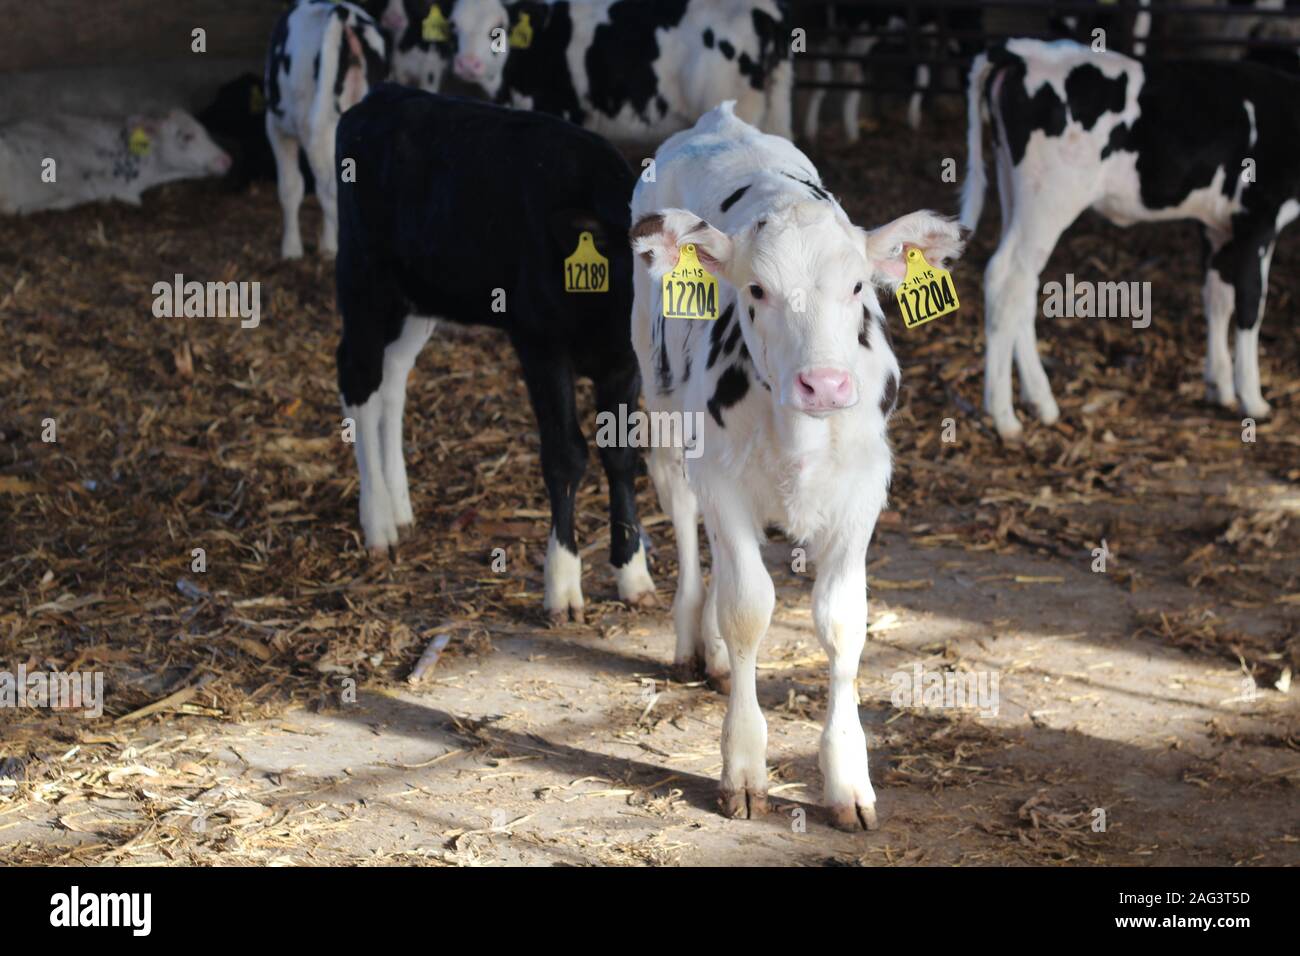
(481, 29)
(805, 280)
(181, 144)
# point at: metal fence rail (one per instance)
(945, 34)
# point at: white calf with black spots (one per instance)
(324, 57)
(632, 70)
(795, 382)
(1076, 130)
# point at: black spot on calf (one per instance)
(733, 384)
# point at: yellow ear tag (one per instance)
(139, 142)
(690, 291)
(435, 28)
(926, 293)
(521, 34)
(586, 270)
(256, 101)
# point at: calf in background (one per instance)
(632, 70)
(95, 158)
(323, 59)
(1213, 141)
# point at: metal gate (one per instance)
(945, 34)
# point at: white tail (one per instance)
(972, 191)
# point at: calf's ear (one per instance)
(939, 238)
(658, 239)
(566, 225)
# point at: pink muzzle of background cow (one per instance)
(824, 390)
(469, 67)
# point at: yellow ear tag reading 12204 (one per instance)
(690, 291)
(435, 28)
(521, 35)
(586, 270)
(139, 142)
(926, 293)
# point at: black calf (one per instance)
(466, 211)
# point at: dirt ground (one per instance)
(258, 712)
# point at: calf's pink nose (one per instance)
(822, 389)
(469, 64)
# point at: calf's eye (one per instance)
(756, 291)
(857, 288)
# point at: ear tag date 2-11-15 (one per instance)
(926, 292)
(586, 270)
(690, 291)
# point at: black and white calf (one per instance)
(1076, 130)
(61, 160)
(418, 59)
(466, 211)
(794, 382)
(324, 57)
(631, 69)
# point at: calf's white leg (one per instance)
(289, 186)
(1246, 370)
(745, 599)
(1011, 286)
(822, 73)
(1218, 298)
(840, 616)
(320, 156)
(678, 500)
(399, 359)
(376, 504)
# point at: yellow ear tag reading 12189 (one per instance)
(139, 142)
(690, 291)
(926, 293)
(521, 35)
(586, 270)
(435, 28)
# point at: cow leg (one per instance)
(620, 387)
(399, 359)
(840, 616)
(678, 500)
(1251, 292)
(320, 156)
(289, 185)
(922, 82)
(854, 72)
(1035, 390)
(745, 598)
(822, 73)
(780, 94)
(1011, 302)
(1218, 297)
(548, 373)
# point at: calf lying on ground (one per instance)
(1210, 141)
(100, 159)
(795, 382)
(324, 56)
(466, 211)
(630, 69)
